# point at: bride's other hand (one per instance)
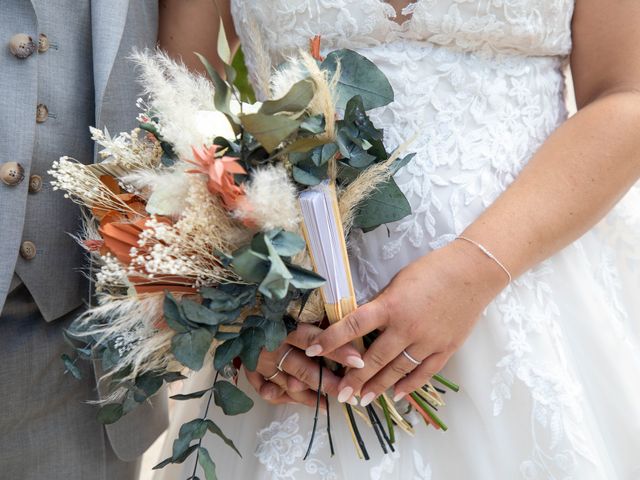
(297, 378)
(424, 314)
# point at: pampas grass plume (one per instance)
(271, 200)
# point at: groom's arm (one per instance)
(188, 26)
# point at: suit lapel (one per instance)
(108, 19)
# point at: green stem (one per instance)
(206, 412)
(387, 417)
(429, 411)
(447, 383)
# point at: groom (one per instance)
(63, 67)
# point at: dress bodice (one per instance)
(274, 29)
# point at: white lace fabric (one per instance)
(548, 373)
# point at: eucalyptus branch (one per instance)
(204, 417)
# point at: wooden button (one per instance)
(35, 183)
(22, 46)
(11, 173)
(42, 113)
(43, 43)
(28, 250)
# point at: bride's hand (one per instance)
(287, 375)
(425, 314)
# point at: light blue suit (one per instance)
(85, 78)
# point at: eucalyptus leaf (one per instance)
(110, 413)
(269, 130)
(352, 148)
(304, 144)
(323, 154)
(173, 314)
(146, 385)
(230, 73)
(198, 313)
(190, 396)
(356, 114)
(259, 244)
(274, 330)
(359, 158)
(314, 124)
(358, 76)
(191, 347)
(276, 283)
(226, 300)
(286, 244)
(250, 265)
(224, 336)
(230, 398)
(209, 468)
(347, 173)
(171, 377)
(71, 367)
(401, 162)
(386, 204)
(190, 431)
(295, 100)
(253, 339)
(222, 95)
(181, 459)
(110, 357)
(242, 79)
(273, 308)
(129, 404)
(303, 278)
(226, 352)
(305, 177)
(215, 429)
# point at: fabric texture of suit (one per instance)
(43, 411)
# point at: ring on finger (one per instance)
(283, 358)
(410, 358)
(268, 379)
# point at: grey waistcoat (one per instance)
(87, 80)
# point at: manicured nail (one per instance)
(353, 401)
(313, 350)
(399, 396)
(367, 399)
(345, 394)
(354, 361)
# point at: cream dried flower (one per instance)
(271, 200)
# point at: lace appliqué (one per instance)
(472, 144)
(281, 448)
(533, 338)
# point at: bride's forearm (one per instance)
(574, 179)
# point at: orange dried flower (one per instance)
(120, 237)
(314, 46)
(220, 172)
(134, 202)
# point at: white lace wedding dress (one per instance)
(550, 375)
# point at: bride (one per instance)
(517, 274)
